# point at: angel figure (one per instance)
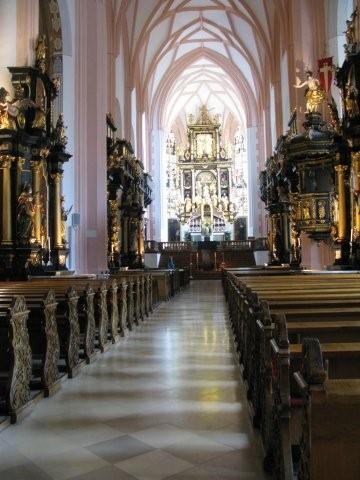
(314, 94)
(6, 111)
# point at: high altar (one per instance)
(201, 182)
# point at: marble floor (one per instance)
(166, 402)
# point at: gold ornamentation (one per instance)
(351, 103)
(314, 94)
(58, 136)
(40, 54)
(39, 120)
(321, 210)
(306, 211)
(6, 118)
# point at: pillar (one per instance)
(35, 175)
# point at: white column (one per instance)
(67, 13)
(160, 199)
(253, 183)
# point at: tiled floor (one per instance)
(165, 402)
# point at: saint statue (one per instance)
(64, 217)
(314, 94)
(188, 204)
(351, 104)
(350, 32)
(6, 113)
(225, 202)
(206, 193)
(133, 236)
(25, 217)
(214, 200)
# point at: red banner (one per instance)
(325, 73)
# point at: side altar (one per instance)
(32, 156)
(200, 184)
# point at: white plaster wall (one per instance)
(67, 13)
(8, 37)
(285, 94)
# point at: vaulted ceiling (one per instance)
(185, 52)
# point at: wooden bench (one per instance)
(68, 326)
(335, 444)
(264, 356)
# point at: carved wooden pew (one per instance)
(335, 444)
(93, 313)
(162, 279)
(44, 339)
(66, 317)
(139, 295)
(15, 357)
(343, 362)
(326, 322)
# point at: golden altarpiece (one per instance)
(311, 184)
(201, 184)
(129, 193)
(32, 155)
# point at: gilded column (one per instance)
(355, 186)
(57, 240)
(35, 175)
(6, 220)
(341, 169)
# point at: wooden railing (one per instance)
(253, 244)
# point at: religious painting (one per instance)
(204, 143)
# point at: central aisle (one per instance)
(165, 402)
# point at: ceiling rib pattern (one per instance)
(185, 52)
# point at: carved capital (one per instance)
(5, 161)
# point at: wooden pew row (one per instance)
(53, 322)
(82, 317)
(334, 451)
(285, 451)
(261, 401)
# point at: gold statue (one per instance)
(25, 227)
(58, 134)
(314, 94)
(351, 104)
(6, 120)
(40, 54)
(350, 32)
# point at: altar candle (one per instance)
(49, 244)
